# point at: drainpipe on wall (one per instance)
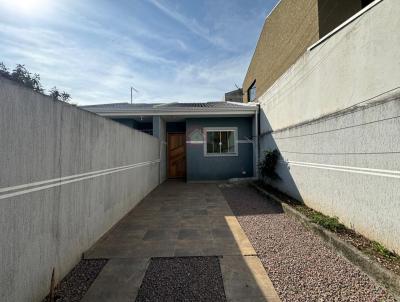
(256, 144)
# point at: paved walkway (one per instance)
(179, 220)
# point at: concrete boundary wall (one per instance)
(159, 131)
(335, 117)
(66, 176)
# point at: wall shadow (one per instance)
(243, 204)
(285, 182)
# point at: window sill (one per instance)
(221, 155)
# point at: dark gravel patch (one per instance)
(182, 279)
(75, 285)
(300, 265)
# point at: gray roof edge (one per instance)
(160, 110)
(171, 104)
(170, 108)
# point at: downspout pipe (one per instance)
(256, 140)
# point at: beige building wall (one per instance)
(288, 31)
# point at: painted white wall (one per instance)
(43, 140)
(359, 62)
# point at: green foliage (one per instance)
(22, 76)
(330, 223)
(268, 164)
(379, 248)
(4, 71)
(59, 96)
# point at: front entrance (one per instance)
(176, 155)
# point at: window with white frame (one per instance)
(220, 141)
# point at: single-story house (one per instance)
(202, 141)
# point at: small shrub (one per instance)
(330, 223)
(267, 166)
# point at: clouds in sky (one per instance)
(169, 50)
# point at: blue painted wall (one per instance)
(200, 167)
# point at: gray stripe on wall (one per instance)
(67, 179)
(349, 169)
(239, 142)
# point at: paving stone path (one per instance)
(179, 220)
(208, 242)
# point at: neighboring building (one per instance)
(204, 141)
(234, 96)
(288, 31)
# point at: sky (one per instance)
(168, 50)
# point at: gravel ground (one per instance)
(182, 279)
(360, 242)
(300, 265)
(75, 285)
(357, 240)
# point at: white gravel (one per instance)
(300, 265)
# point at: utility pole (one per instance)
(133, 88)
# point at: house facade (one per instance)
(325, 77)
(201, 141)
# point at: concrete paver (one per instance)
(245, 279)
(179, 220)
(173, 213)
(119, 281)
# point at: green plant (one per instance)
(22, 76)
(4, 71)
(59, 96)
(379, 248)
(268, 164)
(330, 223)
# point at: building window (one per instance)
(251, 92)
(220, 142)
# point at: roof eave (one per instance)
(225, 111)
